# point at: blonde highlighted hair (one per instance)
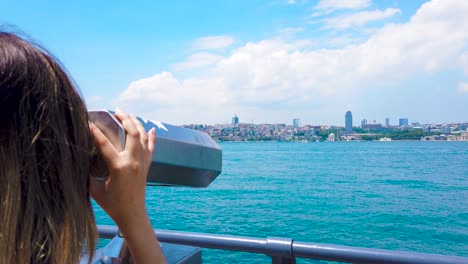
(45, 157)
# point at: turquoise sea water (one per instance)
(409, 196)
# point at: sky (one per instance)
(268, 61)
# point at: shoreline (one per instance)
(360, 141)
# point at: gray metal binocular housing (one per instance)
(182, 157)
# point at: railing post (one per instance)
(280, 250)
(283, 260)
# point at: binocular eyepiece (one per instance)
(182, 157)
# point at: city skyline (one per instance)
(373, 131)
(267, 61)
(355, 123)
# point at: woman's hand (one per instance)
(122, 193)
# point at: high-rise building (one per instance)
(349, 121)
(235, 120)
(403, 121)
(296, 122)
(387, 122)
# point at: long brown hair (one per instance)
(45, 154)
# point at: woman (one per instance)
(46, 152)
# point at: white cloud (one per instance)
(161, 88)
(360, 18)
(197, 60)
(162, 95)
(291, 2)
(290, 31)
(464, 62)
(325, 7)
(270, 79)
(463, 87)
(341, 4)
(213, 42)
(342, 41)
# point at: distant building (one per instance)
(372, 126)
(296, 122)
(464, 136)
(235, 120)
(435, 130)
(331, 138)
(363, 123)
(348, 122)
(403, 121)
(387, 122)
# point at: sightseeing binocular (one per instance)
(182, 157)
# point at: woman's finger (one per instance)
(103, 144)
(151, 140)
(142, 130)
(133, 135)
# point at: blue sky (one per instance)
(266, 61)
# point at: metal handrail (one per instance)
(287, 249)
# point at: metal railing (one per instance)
(286, 250)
